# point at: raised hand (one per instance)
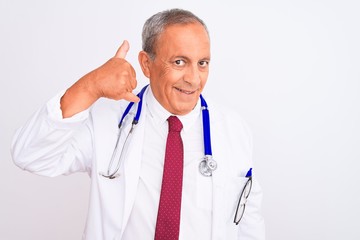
(116, 79)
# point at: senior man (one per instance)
(157, 180)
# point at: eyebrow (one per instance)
(186, 58)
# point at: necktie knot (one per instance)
(175, 124)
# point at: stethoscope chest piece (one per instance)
(207, 166)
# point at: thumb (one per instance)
(123, 49)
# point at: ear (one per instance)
(145, 62)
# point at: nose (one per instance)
(193, 75)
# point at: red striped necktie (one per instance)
(168, 219)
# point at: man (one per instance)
(77, 131)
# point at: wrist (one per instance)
(79, 97)
(89, 85)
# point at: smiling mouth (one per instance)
(185, 91)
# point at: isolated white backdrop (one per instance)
(290, 67)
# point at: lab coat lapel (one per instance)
(218, 220)
(132, 166)
(218, 180)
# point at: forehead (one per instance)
(190, 38)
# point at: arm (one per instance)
(58, 138)
(49, 145)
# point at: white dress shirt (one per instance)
(195, 207)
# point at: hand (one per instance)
(116, 79)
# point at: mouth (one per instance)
(185, 91)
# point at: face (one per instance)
(180, 69)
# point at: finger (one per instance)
(129, 96)
(123, 49)
(133, 83)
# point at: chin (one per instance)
(184, 110)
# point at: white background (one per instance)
(290, 67)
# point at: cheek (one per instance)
(204, 78)
(164, 70)
(164, 78)
(171, 76)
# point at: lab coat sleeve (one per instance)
(49, 145)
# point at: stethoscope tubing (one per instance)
(206, 166)
(113, 174)
(138, 111)
(206, 126)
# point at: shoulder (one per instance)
(105, 106)
(228, 119)
(107, 112)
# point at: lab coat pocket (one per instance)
(233, 192)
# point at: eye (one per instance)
(203, 64)
(179, 62)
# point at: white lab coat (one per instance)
(51, 146)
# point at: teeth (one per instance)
(186, 92)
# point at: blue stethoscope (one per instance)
(206, 166)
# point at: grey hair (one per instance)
(157, 23)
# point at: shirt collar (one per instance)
(160, 114)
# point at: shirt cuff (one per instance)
(55, 114)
